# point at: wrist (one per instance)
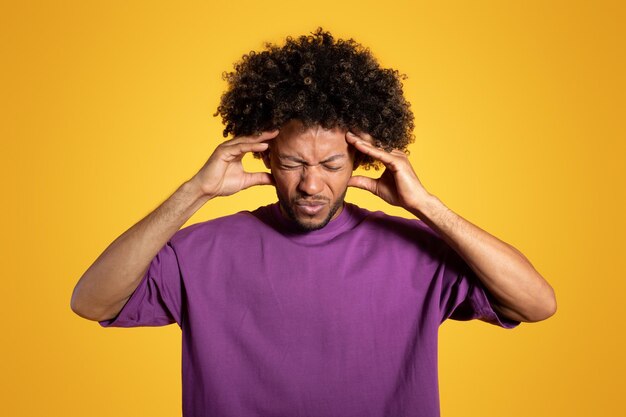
(194, 190)
(428, 207)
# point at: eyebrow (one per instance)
(332, 158)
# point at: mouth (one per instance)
(310, 208)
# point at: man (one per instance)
(310, 306)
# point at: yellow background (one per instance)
(106, 108)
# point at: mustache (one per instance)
(313, 199)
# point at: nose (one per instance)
(310, 181)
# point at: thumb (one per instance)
(258, 178)
(364, 183)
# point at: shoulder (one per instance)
(382, 222)
(221, 227)
(401, 234)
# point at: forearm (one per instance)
(109, 282)
(519, 291)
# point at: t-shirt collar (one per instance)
(334, 228)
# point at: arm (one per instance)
(519, 291)
(109, 282)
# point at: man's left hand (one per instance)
(520, 292)
(398, 185)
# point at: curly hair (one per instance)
(318, 80)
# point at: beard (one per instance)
(287, 208)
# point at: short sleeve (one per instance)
(463, 297)
(157, 300)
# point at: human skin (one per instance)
(108, 283)
(519, 291)
(311, 170)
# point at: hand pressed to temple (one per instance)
(520, 292)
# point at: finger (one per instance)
(263, 136)
(258, 178)
(369, 149)
(362, 135)
(364, 183)
(352, 137)
(240, 149)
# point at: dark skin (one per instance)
(520, 292)
(311, 170)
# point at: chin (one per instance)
(309, 226)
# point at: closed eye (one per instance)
(290, 166)
(333, 167)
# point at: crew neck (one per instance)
(346, 219)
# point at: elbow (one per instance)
(79, 308)
(545, 309)
(549, 303)
(75, 304)
(90, 314)
(85, 309)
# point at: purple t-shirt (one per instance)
(342, 321)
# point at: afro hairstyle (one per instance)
(318, 80)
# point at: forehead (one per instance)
(312, 143)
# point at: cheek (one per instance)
(285, 180)
(340, 181)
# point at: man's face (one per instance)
(311, 168)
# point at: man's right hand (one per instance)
(223, 173)
(106, 286)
